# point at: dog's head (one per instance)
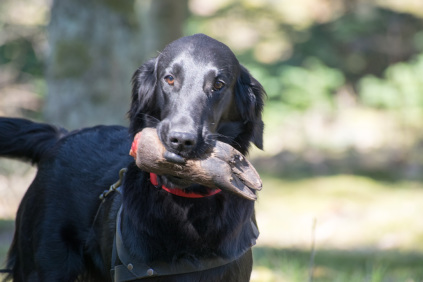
(195, 92)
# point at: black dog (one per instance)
(194, 92)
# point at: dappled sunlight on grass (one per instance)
(351, 212)
(366, 230)
(275, 264)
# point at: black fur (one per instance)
(14, 141)
(56, 236)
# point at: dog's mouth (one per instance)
(173, 157)
(223, 167)
(176, 182)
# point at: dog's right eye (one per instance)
(169, 79)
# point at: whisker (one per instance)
(144, 116)
(228, 139)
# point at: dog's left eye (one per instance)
(218, 85)
(169, 79)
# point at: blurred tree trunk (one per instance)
(163, 22)
(95, 46)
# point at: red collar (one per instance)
(181, 192)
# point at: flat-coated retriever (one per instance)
(193, 93)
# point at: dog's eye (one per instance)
(169, 79)
(218, 85)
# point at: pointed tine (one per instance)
(241, 189)
(240, 166)
(237, 187)
(247, 173)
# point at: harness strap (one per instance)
(131, 269)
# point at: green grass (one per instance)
(351, 212)
(277, 264)
(366, 230)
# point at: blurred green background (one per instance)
(342, 165)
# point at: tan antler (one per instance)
(224, 167)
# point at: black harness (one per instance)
(126, 268)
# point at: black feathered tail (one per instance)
(24, 139)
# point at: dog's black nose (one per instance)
(182, 141)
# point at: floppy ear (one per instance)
(143, 105)
(249, 95)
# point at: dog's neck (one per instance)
(184, 228)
